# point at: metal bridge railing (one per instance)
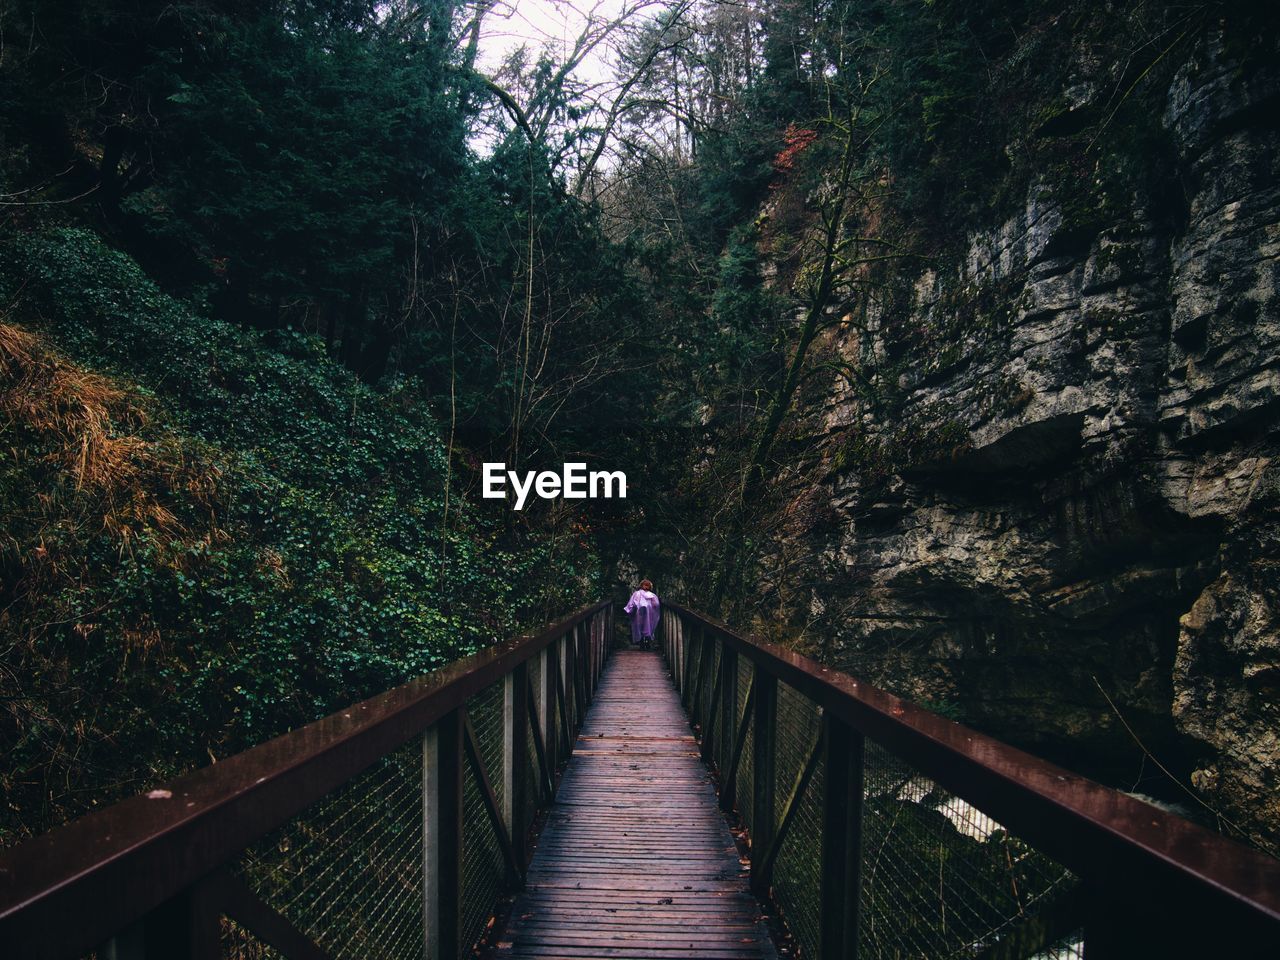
(390, 829)
(881, 830)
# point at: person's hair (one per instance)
(646, 584)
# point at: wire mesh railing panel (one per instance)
(689, 655)
(348, 871)
(727, 725)
(1070, 947)
(535, 692)
(698, 695)
(481, 866)
(941, 879)
(533, 783)
(746, 771)
(698, 677)
(690, 666)
(486, 711)
(796, 726)
(712, 693)
(710, 668)
(482, 863)
(239, 944)
(797, 875)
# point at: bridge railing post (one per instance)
(763, 759)
(186, 927)
(711, 729)
(708, 684)
(515, 758)
(582, 669)
(442, 817)
(606, 640)
(566, 689)
(584, 664)
(728, 721)
(573, 678)
(592, 658)
(686, 657)
(677, 652)
(682, 657)
(839, 909)
(597, 651)
(673, 648)
(689, 643)
(671, 626)
(572, 685)
(547, 707)
(689, 691)
(700, 694)
(128, 944)
(564, 725)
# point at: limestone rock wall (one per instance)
(1067, 510)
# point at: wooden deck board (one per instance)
(635, 860)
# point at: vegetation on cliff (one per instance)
(213, 534)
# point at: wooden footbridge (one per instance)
(564, 796)
(635, 858)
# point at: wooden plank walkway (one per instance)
(635, 860)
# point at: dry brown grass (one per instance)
(95, 427)
(85, 460)
(104, 467)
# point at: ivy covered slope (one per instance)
(211, 535)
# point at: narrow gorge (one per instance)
(937, 339)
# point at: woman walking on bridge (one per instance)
(643, 608)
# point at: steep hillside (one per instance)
(212, 535)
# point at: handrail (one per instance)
(67, 891)
(1134, 860)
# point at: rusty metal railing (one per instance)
(881, 830)
(389, 829)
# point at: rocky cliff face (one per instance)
(1059, 511)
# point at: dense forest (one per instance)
(936, 339)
